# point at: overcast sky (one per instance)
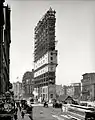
(75, 32)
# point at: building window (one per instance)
(43, 95)
(51, 95)
(43, 90)
(27, 89)
(51, 58)
(27, 81)
(51, 68)
(51, 53)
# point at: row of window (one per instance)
(44, 90)
(41, 61)
(36, 90)
(44, 70)
(42, 81)
(42, 36)
(45, 75)
(42, 49)
(28, 81)
(50, 20)
(45, 96)
(29, 89)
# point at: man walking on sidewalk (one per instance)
(22, 114)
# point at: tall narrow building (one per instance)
(45, 57)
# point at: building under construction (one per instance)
(45, 57)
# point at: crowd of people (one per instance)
(20, 107)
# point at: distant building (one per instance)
(88, 86)
(59, 90)
(28, 84)
(74, 90)
(5, 40)
(45, 56)
(17, 89)
(70, 91)
(64, 90)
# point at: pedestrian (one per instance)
(15, 116)
(16, 110)
(61, 106)
(20, 108)
(22, 114)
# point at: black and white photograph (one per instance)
(47, 59)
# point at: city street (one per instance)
(41, 113)
(47, 61)
(50, 113)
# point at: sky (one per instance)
(75, 32)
